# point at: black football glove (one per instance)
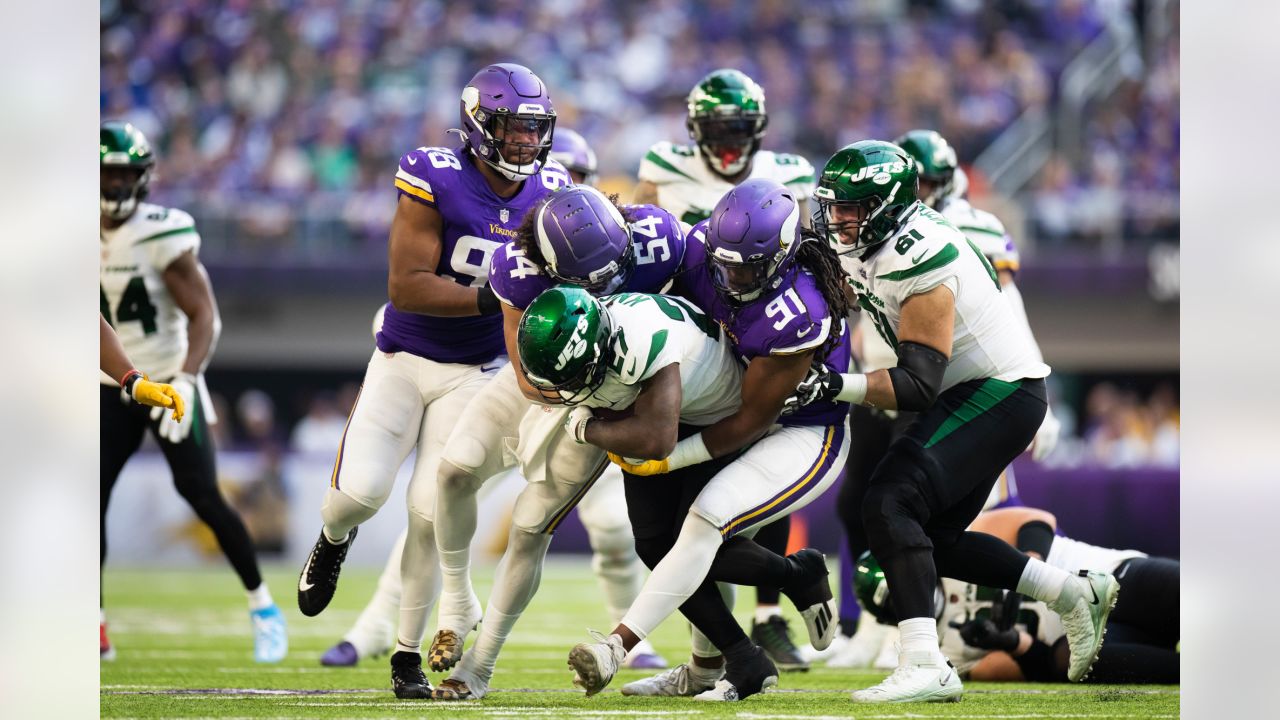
(820, 385)
(985, 635)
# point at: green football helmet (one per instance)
(872, 591)
(565, 340)
(865, 190)
(937, 162)
(126, 162)
(727, 120)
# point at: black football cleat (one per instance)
(407, 680)
(319, 578)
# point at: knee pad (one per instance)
(611, 541)
(464, 453)
(893, 514)
(342, 509)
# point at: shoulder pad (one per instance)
(426, 171)
(666, 162)
(792, 169)
(797, 317)
(927, 243)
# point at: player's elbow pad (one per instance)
(917, 379)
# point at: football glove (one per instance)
(176, 430)
(984, 634)
(576, 423)
(1046, 438)
(160, 396)
(818, 386)
(644, 467)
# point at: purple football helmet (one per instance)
(508, 119)
(572, 151)
(749, 239)
(584, 240)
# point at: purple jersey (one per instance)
(656, 236)
(476, 222)
(789, 319)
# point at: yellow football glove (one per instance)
(648, 467)
(159, 395)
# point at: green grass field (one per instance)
(184, 650)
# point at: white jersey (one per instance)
(651, 332)
(984, 230)
(927, 251)
(151, 326)
(688, 189)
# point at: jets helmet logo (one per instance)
(576, 347)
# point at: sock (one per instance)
(260, 598)
(514, 584)
(373, 629)
(764, 612)
(919, 635)
(1042, 581)
(1035, 536)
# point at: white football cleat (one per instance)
(595, 664)
(1084, 604)
(809, 654)
(679, 681)
(924, 676)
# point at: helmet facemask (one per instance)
(939, 187)
(728, 143)
(122, 187)
(741, 281)
(575, 386)
(603, 282)
(852, 226)
(514, 144)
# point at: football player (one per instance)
(579, 237)
(991, 636)
(156, 295)
(115, 362)
(726, 122)
(778, 293)
(640, 371)
(573, 152)
(441, 338)
(969, 371)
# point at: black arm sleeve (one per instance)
(917, 377)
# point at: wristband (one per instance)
(689, 451)
(854, 389)
(128, 380)
(487, 301)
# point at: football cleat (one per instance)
(446, 646)
(1084, 604)
(407, 680)
(775, 637)
(461, 686)
(319, 577)
(343, 654)
(743, 679)
(813, 598)
(920, 677)
(270, 638)
(105, 649)
(595, 664)
(811, 655)
(644, 657)
(680, 681)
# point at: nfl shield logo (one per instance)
(505, 214)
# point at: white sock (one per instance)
(919, 635)
(514, 584)
(676, 577)
(1042, 581)
(419, 581)
(260, 598)
(372, 630)
(764, 612)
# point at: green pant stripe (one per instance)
(988, 395)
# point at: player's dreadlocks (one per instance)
(815, 255)
(527, 234)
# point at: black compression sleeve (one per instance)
(488, 302)
(917, 379)
(1035, 536)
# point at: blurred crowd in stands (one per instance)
(278, 122)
